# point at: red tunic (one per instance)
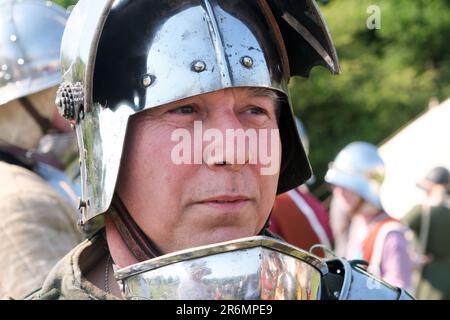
(301, 220)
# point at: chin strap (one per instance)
(266, 232)
(45, 124)
(28, 158)
(135, 239)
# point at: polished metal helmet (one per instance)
(302, 134)
(359, 168)
(305, 143)
(122, 57)
(30, 37)
(436, 176)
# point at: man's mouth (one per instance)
(226, 202)
(218, 201)
(226, 198)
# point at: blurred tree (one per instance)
(388, 74)
(66, 3)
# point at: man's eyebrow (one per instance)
(264, 92)
(156, 109)
(270, 93)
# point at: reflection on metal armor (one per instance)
(256, 268)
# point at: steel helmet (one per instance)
(436, 176)
(121, 57)
(302, 134)
(359, 168)
(30, 37)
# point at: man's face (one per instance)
(184, 205)
(347, 199)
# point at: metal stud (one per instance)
(247, 62)
(70, 101)
(198, 66)
(13, 38)
(147, 80)
(20, 61)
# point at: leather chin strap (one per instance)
(28, 158)
(45, 124)
(135, 239)
(265, 230)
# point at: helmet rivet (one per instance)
(198, 66)
(13, 38)
(247, 62)
(147, 80)
(81, 204)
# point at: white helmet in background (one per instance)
(359, 168)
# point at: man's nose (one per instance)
(231, 150)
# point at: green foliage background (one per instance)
(388, 75)
(66, 3)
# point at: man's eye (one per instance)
(183, 110)
(257, 110)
